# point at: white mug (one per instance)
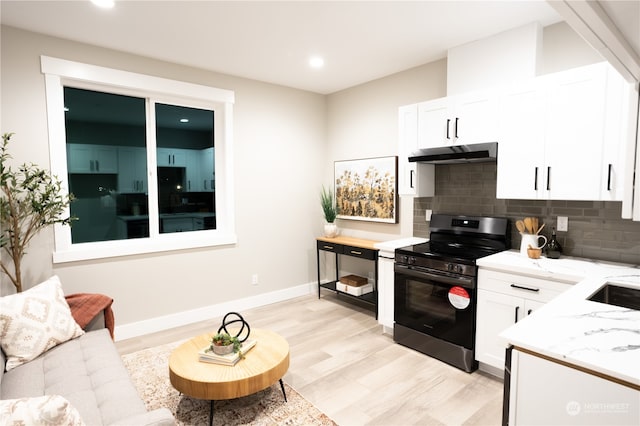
(531, 240)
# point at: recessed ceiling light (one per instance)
(66, 109)
(105, 4)
(316, 62)
(184, 120)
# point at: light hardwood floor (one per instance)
(343, 364)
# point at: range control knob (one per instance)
(412, 260)
(405, 259)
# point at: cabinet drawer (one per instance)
(336, 248)
(541, 290)
(359, 252)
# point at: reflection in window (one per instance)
(106, 163)
(185, 167)
(106, 141)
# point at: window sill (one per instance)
(163, 243)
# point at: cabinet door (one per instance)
(80, 158)
(86, 158)
(207, 169)
(574, 134)
(132, 170)
(434, 123)
(194, 176)
(415, 179)
(171, 157)
(495, 312)
(521, 143)
(106, 158)
(548, 393)
(385, 292)
(474, 118)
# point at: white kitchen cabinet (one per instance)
(521, 141)
(561, 136)
(207, 169)
(458, 120)
(132, 170)
(171, 157)
(545, 392)
(386, 290)
(504, 299)
(194, 174)
(177, 224)
(415, 179)
(87, 158)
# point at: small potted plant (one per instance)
(330, 212)
(223, 344)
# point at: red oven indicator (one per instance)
(459, 297)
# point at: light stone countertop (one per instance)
(599, 337)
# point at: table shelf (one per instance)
(353, 247)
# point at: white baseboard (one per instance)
(152, 325)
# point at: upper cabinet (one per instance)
(458, 120)
(132, 170)
(561, 136)
(415, 179)
(172, 157)
(86, 158)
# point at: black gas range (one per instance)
(435, 286)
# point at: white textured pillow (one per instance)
(34, 321)
(44, 410)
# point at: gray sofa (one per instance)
(89, 373)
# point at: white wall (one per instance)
(286, 142)
(280, 153)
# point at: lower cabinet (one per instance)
(180, 224)
(504, 299)
(544, 392)
(385, 292)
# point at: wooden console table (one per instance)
(354, 247)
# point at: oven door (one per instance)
(436, 303)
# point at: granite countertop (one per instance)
(599, 337)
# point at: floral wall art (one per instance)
(366, 189)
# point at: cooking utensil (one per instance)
(520, 226)
(534, 224)
(540, 229)
(528, 223)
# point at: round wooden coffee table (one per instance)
(265, 364)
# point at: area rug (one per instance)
(149, 371)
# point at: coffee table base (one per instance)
(212, 401)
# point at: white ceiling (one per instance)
(272, 41)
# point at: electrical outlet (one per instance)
(254, 279)
(427, 215)
(563, 223)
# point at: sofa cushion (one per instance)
(34, 321)
(88, 371)
(39, 411)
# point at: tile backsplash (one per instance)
(596, 230)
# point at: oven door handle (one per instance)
(420, 273)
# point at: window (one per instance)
(148, 160)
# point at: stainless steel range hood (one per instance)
(474, 153)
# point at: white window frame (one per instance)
(60, 73)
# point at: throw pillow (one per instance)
(34, 321)
(44, 410)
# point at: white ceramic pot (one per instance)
(532, 240)
(330, 230)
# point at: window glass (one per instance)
(185, 168)
(107, 165)
(142, 175)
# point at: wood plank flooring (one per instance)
(343, 364)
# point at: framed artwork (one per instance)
(367, 189)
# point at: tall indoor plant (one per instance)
(30, 200)
(327, 201)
